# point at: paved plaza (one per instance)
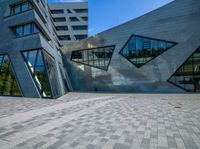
(101, 121)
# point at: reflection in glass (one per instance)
(26, 29)
(43, 70)
(35, 62)
(52, 74)
(8, 83)
(97, 57)
(15, 9)
(140, 50)
(188, 75)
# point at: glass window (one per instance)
(80, 27)
(81, 10)
(8, 82)
(62, 19)
(25, 6)
(97, 57)
(84, 18)
(18, 31)
(35, 28)
(15, 9)
(43, 70)
(73, 19)
(69, 11)
(188, 75)
(80, 37)
(58, 11)
(61, 28)
(140, 50)
(64, 37)
(27, 29)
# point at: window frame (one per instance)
(76, 26)
(45, 71)
(20, 5)
(15, 76)
(32, 29)
(168, 80)
(57, 11)
(149, 38)
(54, 19)
(90, 49)
(80, 10)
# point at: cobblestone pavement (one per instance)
(101, 121)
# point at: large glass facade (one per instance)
(140, 50)
(42, 68)
(188, 75)
(96, 57)
(8, 83)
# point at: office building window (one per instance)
(96, 57)
(140, 50)
(81, 10)
(64, 37)
(79, 37)
(58, 11)
(69, 11)
(15, 9)
(80, 27)
(62, 19)
(187, 76)
(26, 29)
(43, 70)
(84, 18)
(61, 28)
(73, 19)
(8, 82)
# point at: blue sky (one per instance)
(105, 14)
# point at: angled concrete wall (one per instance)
(177, 21)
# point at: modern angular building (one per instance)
(30, 58)
(157, 52)
(70, 20)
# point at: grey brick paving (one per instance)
(101, 121)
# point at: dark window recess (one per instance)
(58, 11)
(97, 57)
(19, 8)
(80, 27)
(85, 18)
(187, 76)
(43, 70)
(73, 19)
(62, 19)
(69, 11)
(140, 50)
(64, 37)
(61, 28)
(8, 82)
(26, 29)
(81, 10)
(79, 37)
